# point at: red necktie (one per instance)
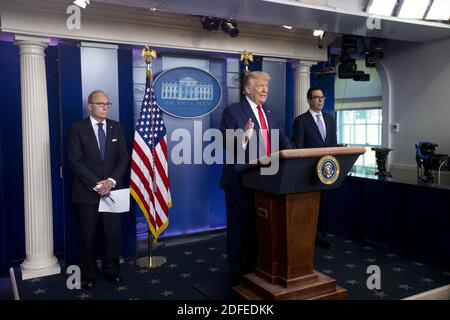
(265, 131)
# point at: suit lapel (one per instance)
(314, 125)
(250, 114)
(327, 123)
(92, 140)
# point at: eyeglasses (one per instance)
(102, 104)
(317, 98)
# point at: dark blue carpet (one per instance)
(198, 271)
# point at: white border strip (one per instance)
(99, 45)
(441, 293)
(12, 277)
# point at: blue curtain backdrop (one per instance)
(51, 65)
(327, 86)
(290, 89)
(71, 111)
(125, 70)
(12, 237)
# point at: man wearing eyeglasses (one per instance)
(315, 129)
(98, 158)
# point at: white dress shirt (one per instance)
(254, 108)
(314, 115)
(95, 127)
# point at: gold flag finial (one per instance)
(246, 57)
(148, 54)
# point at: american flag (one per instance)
(149, 183)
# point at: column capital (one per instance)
(31, 40)
(26, 39)
(30, 45)
(301, 65)
(302, 84)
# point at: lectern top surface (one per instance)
(315, 153)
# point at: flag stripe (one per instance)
(141, 181)
(162, 172)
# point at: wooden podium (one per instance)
(287, 206)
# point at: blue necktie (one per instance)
(321, 127)
(101, 139)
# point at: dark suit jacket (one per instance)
(86, 163)
(235, 117)
(306, 134)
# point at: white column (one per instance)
(302, 84)
(40, 260)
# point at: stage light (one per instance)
(210, 23)
(347, 67)
(413, 9)
(349, 43)
(326, 70)
(440, 10)
(381, 7)
(370, 59)
(81, 3)
(346, 71)
(227, 26)
(230, 27)
(361, 76)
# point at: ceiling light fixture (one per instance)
(227, 25)
(287, 27)
(230, 27)
(210, 23)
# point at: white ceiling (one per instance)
(338, 16)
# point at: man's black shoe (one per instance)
(322, 243)
(88, 284)
(113, 279)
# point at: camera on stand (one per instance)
(428, 162)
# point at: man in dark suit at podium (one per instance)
(253, 117)
(98, 158)
(315, 129)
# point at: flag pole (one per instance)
(246, 57)
(150, 261)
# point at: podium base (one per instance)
(153, 262)
(257, 288)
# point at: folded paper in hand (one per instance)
(117, 202)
